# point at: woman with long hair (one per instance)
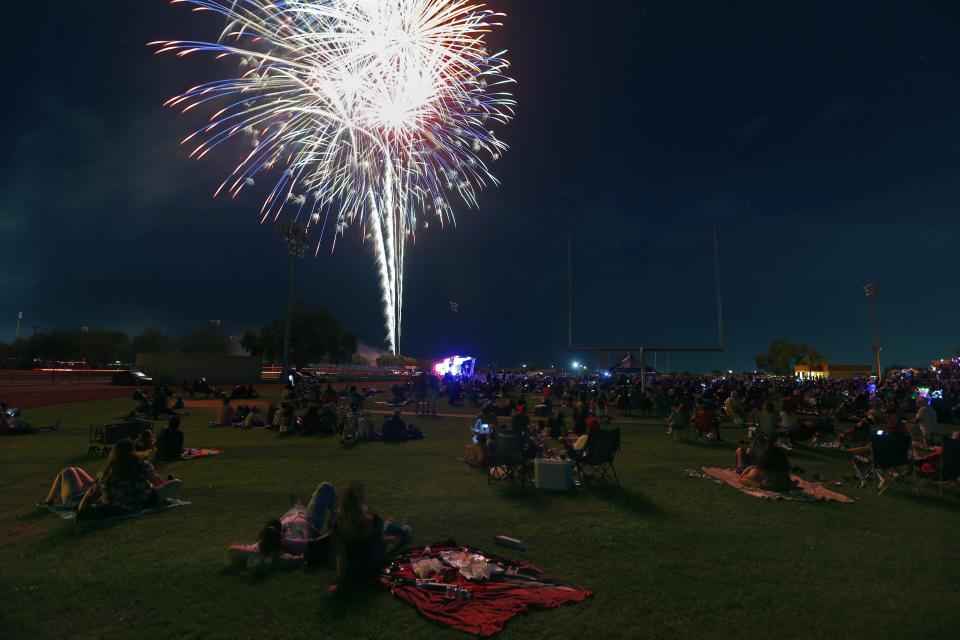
(127, 483)
(361, 543)
(770, 470)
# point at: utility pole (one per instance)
(295, 236)
(871, 291)
(16, 343)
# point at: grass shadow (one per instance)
(950, 501)
(709, 444)
(69, 532)
(627, 500)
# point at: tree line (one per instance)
(315, 336)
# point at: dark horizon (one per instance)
(820, 141)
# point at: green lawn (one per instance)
(667, 557)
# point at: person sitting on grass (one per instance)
(288, 422)
(355, 399)
(767, 468)
(679, 419)
(310, 422)
(225, 414)
(768, 421)
(520, 420)
(329, 396)
(557, 425)
(394, 428)
(18, 426)
(145, 445)
(158, 406)
(170, 441)
(488, 417)
(733, 407)
(362, 542)
(253, 420)
(69, 487)
(127, 484)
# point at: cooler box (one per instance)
(555, 475)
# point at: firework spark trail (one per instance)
(375, 112)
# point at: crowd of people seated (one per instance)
(157, 406)
(200, 387)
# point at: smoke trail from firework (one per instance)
(374, 113)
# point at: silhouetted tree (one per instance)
(210, 338)
(782, 355)
(152, 341)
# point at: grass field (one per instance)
(668, 556)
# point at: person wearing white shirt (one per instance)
(926, 419)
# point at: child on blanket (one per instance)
(768, 468)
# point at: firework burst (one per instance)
(374, 113)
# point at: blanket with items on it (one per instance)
(474, 591)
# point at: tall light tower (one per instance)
(871, 291)
(295, 235)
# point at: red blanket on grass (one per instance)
(492, 603)
(193, 454)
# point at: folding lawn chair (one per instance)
(597, 460)
(508, 455)
(888, 453)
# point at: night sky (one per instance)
(821, 138)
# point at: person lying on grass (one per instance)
(17, 425)
(286, 542)
(128, 483)
(766, 468)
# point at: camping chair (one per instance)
(597, 460)
(888, 453)
(508, 455)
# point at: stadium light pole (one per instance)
(295, 236)
(870, 290)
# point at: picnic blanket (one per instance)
(805, 491)
(481, 607)
(193, 454)
(70, 513)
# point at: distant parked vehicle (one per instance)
(132, 379)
